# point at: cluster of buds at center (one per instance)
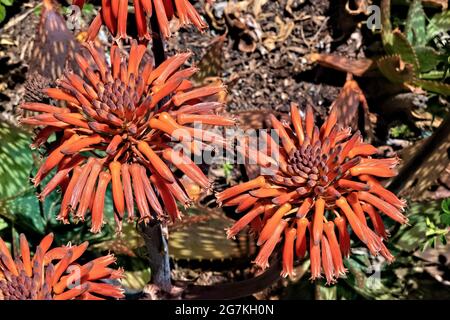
(326, 181)
(54, 274)
(114, 13)
(118, 127)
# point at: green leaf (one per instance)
(433, 75)
(16, 160)
(88, 8)
(23, 211)
(434, 86)
(3, 224)
(429, 59)
(37, 10)
(19, 204)
(445, 219)
(445, 205)
(7, 3)
(326, 292)
(366, 279)
(2, 13)
(76, 232)
(390, 67)
(415, 24)
(404, 49)
(423, 218)
(439, 23)
(401, 131)
(136, 280)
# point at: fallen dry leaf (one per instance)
(357, 67)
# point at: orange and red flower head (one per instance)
(325, 185)
(55, 274)
(118, 127)
(114, 13)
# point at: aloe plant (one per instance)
(412, 59)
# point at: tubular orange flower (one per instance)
(55, 274)
(114, 13)
(327, 261)
(326, 180)
(106, 134)
(288, 253)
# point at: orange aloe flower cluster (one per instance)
(54, 274)
(325, 183)
(117, 129)
(114, 13)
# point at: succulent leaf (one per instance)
(415, 24)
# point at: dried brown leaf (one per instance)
(357, 67)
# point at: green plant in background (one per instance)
(429, 225)
(437, 230)
(434, 234)
(3, 224)
(20, 210)
(87, 10)
(3, 5)
(414, 58)
(227, 170)
(445, 216)
(400, 131)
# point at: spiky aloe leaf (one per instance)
(406, 51)
(395, 70)
(439, 23)
(79, 232)
(136, 279)
(15, 160)
(413, 236)
(22, 210)
(324, 292)
(415, 28)
(18, 202)
(3, 224)
(433, 75)
(365, 277)
(429, 58)
(434, 86)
